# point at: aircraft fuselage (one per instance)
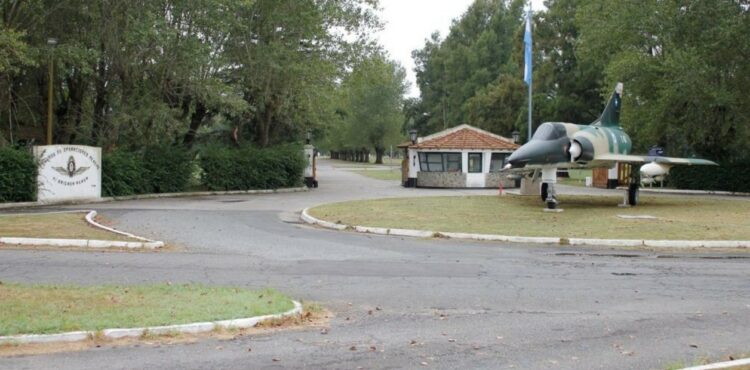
(568, 145)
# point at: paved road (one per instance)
(443, 303)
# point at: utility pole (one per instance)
(51, 42)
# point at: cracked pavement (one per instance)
(401, 302)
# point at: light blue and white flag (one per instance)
(528, 68)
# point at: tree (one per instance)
(685, 70)
(289, 57)
(476, 52)
(375, 92)
(131, 73)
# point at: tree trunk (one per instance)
(77, 86)
(100, 101)
(196, 119)
(379, 155)
(264, 127)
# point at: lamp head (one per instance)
(516, 136)
(413, 136)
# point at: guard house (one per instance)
(460, 157)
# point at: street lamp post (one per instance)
(516, 136)
(51, 42)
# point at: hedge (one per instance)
(731, 177)
(122, 174)
(250, 168)
(18, 173)
(167, 169)
(155, 169)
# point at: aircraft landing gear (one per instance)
(547, 191)
(549, 196)
(634, 185)
(633, 194)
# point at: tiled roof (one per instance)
(466, 137)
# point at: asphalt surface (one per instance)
(406, 303)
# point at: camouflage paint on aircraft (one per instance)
(600, 144)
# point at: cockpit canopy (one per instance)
(550, 131)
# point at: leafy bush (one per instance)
(250, 168)
(167, 169)
(18, 172)
(156, 169)
(122, 174)
(731, 177)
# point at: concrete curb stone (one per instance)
(193, 328)
(84, 243)
(150, 196)
(689, 192)
(306, 217)
(722, 365)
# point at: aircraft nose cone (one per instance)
(520, 157)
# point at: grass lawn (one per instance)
(389, 175)
(392, 162)
(584, 216)
(576, 177)
(28, 309)
(570, 181)
(55, 225)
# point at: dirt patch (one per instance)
(308, 320)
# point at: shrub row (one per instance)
(250, 168)
(167, 169)
(156, 169)
(732, 177)
(18, 172)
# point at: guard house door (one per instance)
(475, 177)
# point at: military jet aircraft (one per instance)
(602, 143)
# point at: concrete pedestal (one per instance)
(529, 187)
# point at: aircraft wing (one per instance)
(628, 158)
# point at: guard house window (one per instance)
(439, 162)
(475, 162)
(497, 162)
(453, 162)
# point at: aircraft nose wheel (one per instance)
(549, 196)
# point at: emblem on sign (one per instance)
(70, 170)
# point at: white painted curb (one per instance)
(151, 196)
(689, 192)
(306, 217)
(146, 243)
(328, 225)
(721, 365)
(194, 328)
(84, 243)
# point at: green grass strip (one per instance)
(678, 217)
(55, 225)
(388, 175)
(41, 309)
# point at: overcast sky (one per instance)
(409, 22)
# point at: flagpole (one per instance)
(528, 19)
(530, 106)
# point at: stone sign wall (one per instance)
(68, 172)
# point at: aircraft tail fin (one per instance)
(611, 114)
